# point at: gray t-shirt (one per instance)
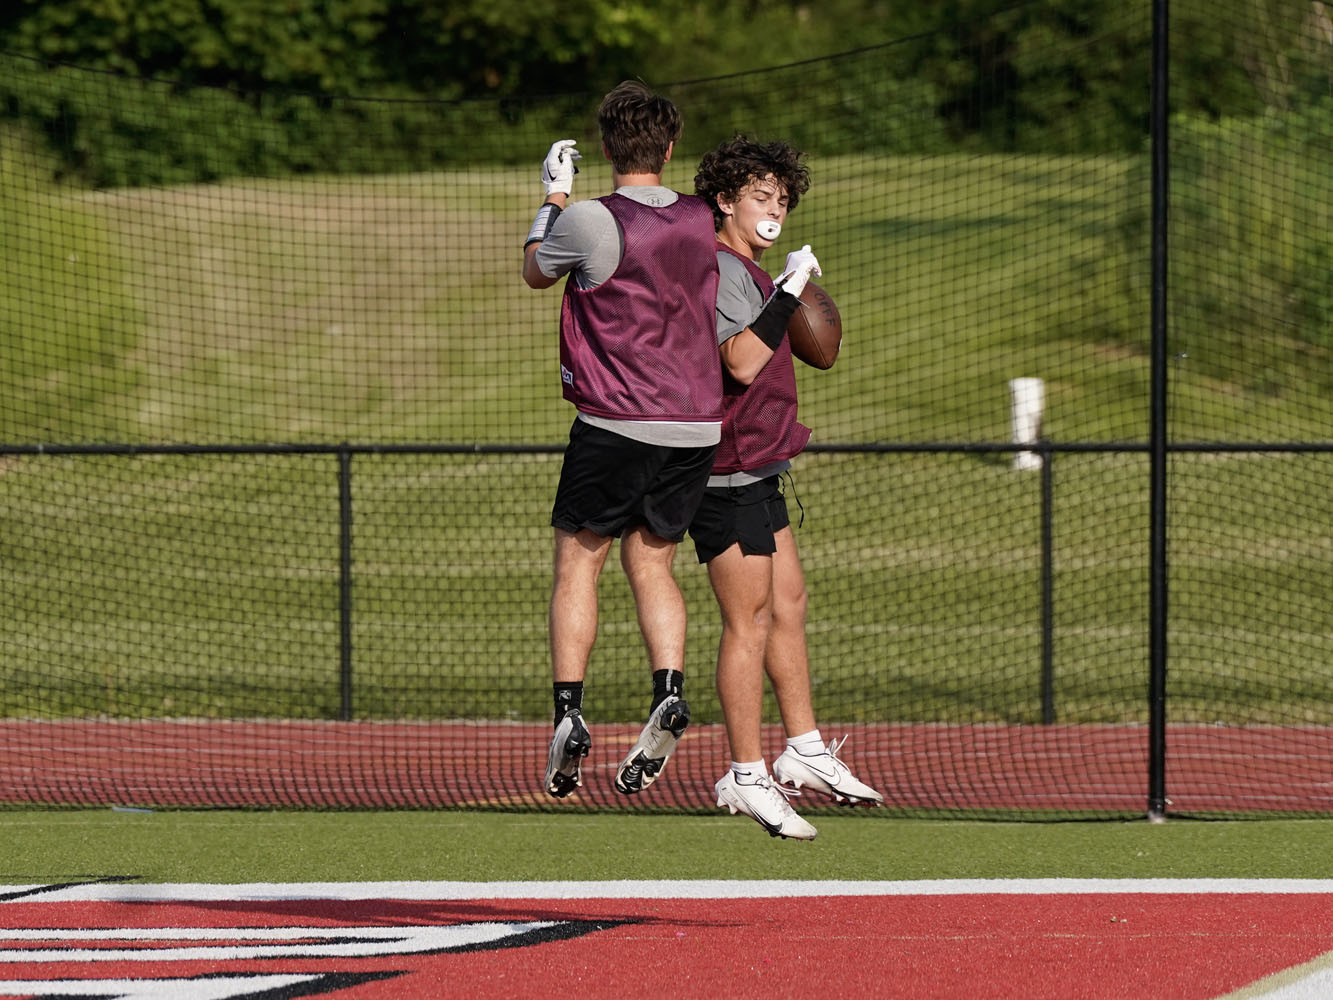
(738, 297)
(738, 303)
(586, 242)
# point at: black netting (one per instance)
(277, 451)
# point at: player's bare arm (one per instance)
(532, 274)
(558, 172)
(745, 354)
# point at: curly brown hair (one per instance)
(638, 127)
(739, 161)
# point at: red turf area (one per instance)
(1179, 946)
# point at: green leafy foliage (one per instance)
(1251, 207)
(440, 48)
(109, 132)
(1012, 77)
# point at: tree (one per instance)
(443, 48)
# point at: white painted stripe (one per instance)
(235, 944)
(1315, 986)
(1312, 980)
(200, 988)
(629, 889)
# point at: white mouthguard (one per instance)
(768, 229)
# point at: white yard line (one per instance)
(631, 889)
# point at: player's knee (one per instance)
(789, 610)
(762, 619)
(749, 624)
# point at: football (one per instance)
(815, 329)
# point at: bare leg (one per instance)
(788, 664)
(743, 586)
(661, 611)
(786, 658)
(573, 612)
(658, 602)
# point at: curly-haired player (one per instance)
(742, 530)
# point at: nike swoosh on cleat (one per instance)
(676, 724)
(773, 830)
(830, 776)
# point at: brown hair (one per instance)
(637, 127)
(727, 169)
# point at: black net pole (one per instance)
(345, 582)
(1158, 450)
(1047, 593)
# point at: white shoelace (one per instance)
(834, 747)
(784, 792)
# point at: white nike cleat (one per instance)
(654, 747)
(766, 803)
(570, 743)
(824, 772)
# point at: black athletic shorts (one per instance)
(750, 514)
(610, 483)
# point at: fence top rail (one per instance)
(479, 448)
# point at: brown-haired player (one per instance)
(742, 529)
(639, 361)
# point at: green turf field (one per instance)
(463, 846)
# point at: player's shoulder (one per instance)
(733, 270)
(699, 206)
(584, 221)
(588, 210)
(730, 266)
(735, 284)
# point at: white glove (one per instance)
(558, 169)
(800, 265)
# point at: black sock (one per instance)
(568, 695)
(665, 684)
